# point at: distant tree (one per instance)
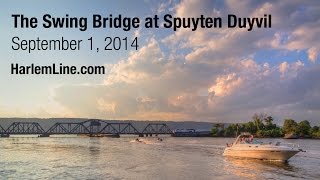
(258, 120)
(269, 123)
(250, 127)
(219, 125)
(304, 128)
(230, 131)
(276, 132)
(261, 133)
(218, 130)
(268, 120)
(290, 126)
(214, 131)
(221, 133)
(315, 129)
(315, 132)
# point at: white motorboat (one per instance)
(245, 146)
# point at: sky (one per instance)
(213, 75)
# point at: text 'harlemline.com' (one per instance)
(55, 69)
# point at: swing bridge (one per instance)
(92, 128)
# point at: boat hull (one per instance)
(282, 155)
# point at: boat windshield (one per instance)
(246, 139)
(256, 142)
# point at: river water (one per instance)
(122, 158)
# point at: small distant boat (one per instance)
(139, 141)
(245, 146)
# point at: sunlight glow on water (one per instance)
(122, 158)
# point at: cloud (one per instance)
(164, 6)
(225, 84)
(283, 67)
(176, 91)
(312, 54)
(212, 75)
(139, 66)
(48, 110)
(145, 82)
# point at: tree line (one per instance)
(262, 126)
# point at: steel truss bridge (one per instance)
(93, 128)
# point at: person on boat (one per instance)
(242, 140)
(251, 139)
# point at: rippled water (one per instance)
(121, 158)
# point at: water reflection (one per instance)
(94, 147)
(252, 168)
(174, 158)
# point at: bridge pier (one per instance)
(141, 135)
(115, 135)
(44, 135)
(5, 135)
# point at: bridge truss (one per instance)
(89, 127)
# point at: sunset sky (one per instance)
(214, 75)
